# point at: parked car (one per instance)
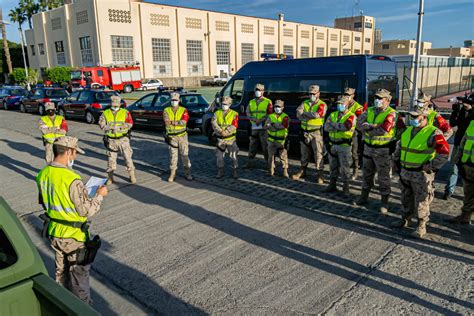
(148, 111)
(87, 104)
(151, 84)
(34, 101)
(11, 96)
(216, 81)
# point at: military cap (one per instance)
(174, 96)
(382, 93)
(260, 87)
(420, 111)
(343, 99)
(423, 97)
(115, 100)
(313, 89)
(279, 103)
(49, 106)
(349, 91)
(226, 100)
(68, 142)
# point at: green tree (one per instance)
(30, 7)
(58, 74)
(17, 15)
(46, 5)
(18, 76)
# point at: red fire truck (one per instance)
(119, 78)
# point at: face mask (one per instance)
(378, 103)
(115, 108)
(225, 107)
(313, 98)
(51, 112)
(70, 163)
(278, 110)
(341, 107)
(258, 93)
(174, 103)
(414, 122)
(420, 104)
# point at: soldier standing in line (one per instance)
(311, 114)
(356, 109)
(378, 128)
(277, 127)
(176, 119)
(52, 126)
(341, 126)
(420, 153)
(225, 123)
(117, 123)
(257, 111)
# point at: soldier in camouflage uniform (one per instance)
(277, 127)
(117, 123)
(357, 145)
(51, 126)
(420, 153)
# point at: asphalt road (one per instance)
(256, 245)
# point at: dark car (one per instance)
(35, 100)
(10, 97)
(148, 111)
(87, 104)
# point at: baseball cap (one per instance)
(382, 93)
(49, 106)
(227, 100)
(115, 100)
(349, 91)
(259, 86)
(313, 89)
(174, 96)
(69, 142)
(279, 103)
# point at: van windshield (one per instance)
(382, 81)
(76, 75)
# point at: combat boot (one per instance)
(420, 231)
(299, 174)
(234, 173)
(332, 187)
(345, 189)
(364, 197)
(384, 204)
(110, 176)
(320, 177)
(464, 218)
(285, 173)
(187, 174)
(401, 223)
(133, 179)
(250, 164)
(172, 175)
(220, 173)
(354, 174)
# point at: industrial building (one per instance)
(176, 42)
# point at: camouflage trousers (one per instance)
(123, 147)
(340, 158)
(417, 193)
(229, 147)
(258, 136)
(277, 149)
(355, 150)
(73, 277)
(377, 160)
(179, 146)
(468, 182)
(48, 148)
(313, 143)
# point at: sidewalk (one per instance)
(443, 101)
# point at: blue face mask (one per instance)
(414, 122)
(378, 103)
(341, 107)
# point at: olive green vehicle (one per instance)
(25, 287)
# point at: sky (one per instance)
(447, 22)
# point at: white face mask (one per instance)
(378, 103)
(174, 103)
(70, 163)
(115, 108)
(258, 93)
(420, 104)
(225, 107)
(313, 98)
(278, 110)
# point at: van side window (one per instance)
(100, 73)
(381, 80)
(8, 257)
(235, 90)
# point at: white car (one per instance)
(150, 84)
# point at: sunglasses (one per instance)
(378, 98)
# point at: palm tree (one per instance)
(17, 15)
(29, 7)
(46, 5)
(5, 43)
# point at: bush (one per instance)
(58, 74)
(18, 76)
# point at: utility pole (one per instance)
(417, 54)
(5, 43)
(24, 60)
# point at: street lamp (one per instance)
(24, 59)
(417, 54)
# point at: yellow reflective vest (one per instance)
(258, 111)
(468, 149)
(116, 119)
(225, 121)
(356, 106)
(313, 124)
(431, 117)
(343, 138)
(53, 184)
(280, 135)
(175, 130)
(56, 122)
(415, 151)
(384, 140)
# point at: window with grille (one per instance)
(192, 23)
(159, 19)
(346, 51)
(368, 25)
(319, 51)
(120, 16)
(161, 52)
(56, 24)
(357, 38)
(223, 53)
(333, 52)
(60, 55)
(357, 25)
(269, 48)
(320, 36)
(41, 48)
(82, 17)
(247, 53)
(122, 49)
(346, 38)
(333, 37)
(33, 51)
(86, 51)
(194, 57)
(246, 28)
(385, 46)
(367, 51)
(288, 49)
(367, 40)
(288, 32)
(268, 30)
(356, 51)
(304, 51)
(222, 26)
(304, 34)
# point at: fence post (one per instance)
(436, 87)
(422, 73)
(449, 76)
(460, 76)
(403, 85)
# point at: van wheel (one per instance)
(41, 109)
(90, 118)
(22, 108)
(127, 89)
(62, 113)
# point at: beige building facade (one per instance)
(451, 52)
(170, 41)
(401, 47)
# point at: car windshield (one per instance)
(56, 93)
(104, 96)
(144, 81)
(76, 74)
(193, 100)
(16, 92)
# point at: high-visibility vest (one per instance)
(225, 121)
(356, 106)
(313, 124)
(468, 150)
(384, 140)
(258, 111)
(415, 151)
(279, 135)
(56, 122)
(116, 119)
(431, 117)
(343, 138)
(53, 184)
(175, 130)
